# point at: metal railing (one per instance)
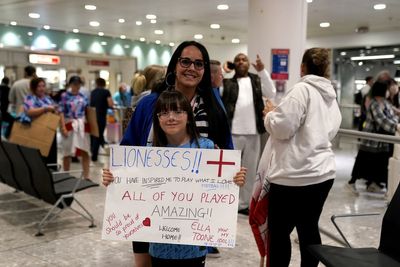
(370, 136)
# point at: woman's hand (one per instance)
(50, 108)
(240, 177)
(269, 106)
(108, 177)
(64, 131)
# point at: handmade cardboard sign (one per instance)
(172, 195)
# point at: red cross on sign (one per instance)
(220, 163)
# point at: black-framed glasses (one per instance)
(186, 62)
(176, 114)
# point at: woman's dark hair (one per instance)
(75, 80)
(172, 100)
(379, 88)
(35, 84)
(316, 61)
(217, 121)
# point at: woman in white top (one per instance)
(300, 160)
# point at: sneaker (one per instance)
(352, 188)
(213, 252)
(374, 188)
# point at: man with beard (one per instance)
(243, 99)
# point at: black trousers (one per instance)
(6, 117)
(196, 262)
(96, 142)
(290, 207)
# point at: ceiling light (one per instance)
(151, 16)
(215, 26)
(153, 21)
(343, 53)
(379, 6)
(101, 33)
(198, 36)
(94, 23)
(103, 43)
(76, 40)
(222, 7)
(121, 20)
(324, 24)
(53, 45)
(360, 63)
(142, 39)
(372, 57)
(171, 44)
(90, 7)
(126, 46)
(34, 15)
(309, 1)
(13, 23)
(158, 42)
(235, 41)
(46, 27)
(122, 36)
(75, 30)
(396, 49)
(396, 62)
(138, 22)
(30, 33)
(158, 32)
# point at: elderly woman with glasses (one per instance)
(189, 73)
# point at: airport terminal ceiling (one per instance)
(182, 19)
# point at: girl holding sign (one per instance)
(174, 126)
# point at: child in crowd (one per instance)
(174, 126)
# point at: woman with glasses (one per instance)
(189, 73)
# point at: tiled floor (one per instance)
(69, 242)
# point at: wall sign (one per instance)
(280, 64)
(44, 59)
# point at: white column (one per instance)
(278, 24)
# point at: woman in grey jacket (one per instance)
(301, 163)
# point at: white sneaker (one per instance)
(374, 188)
(352, 188)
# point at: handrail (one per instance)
(370, 136)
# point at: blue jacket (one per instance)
(139, 127)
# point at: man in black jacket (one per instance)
(4, 102)
(243, 99)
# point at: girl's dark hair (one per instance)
(317, 61)
(35, 84)
(379, 88)
(218, 127)
(172, 100)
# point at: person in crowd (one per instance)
(20, 89)
(216, 78)
(189, 72)
(243, 99)
(373, 156)
(75, 133)
(174, 126)
(38, 103)
(122, 98)
(146, 81)
(101, 99)
(369, 81)
(5, 116)
(394, 96)
(301, 163)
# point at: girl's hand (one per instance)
(108, 177)
(64, 132)
(240, 177)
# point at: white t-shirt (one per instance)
(244, 119)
